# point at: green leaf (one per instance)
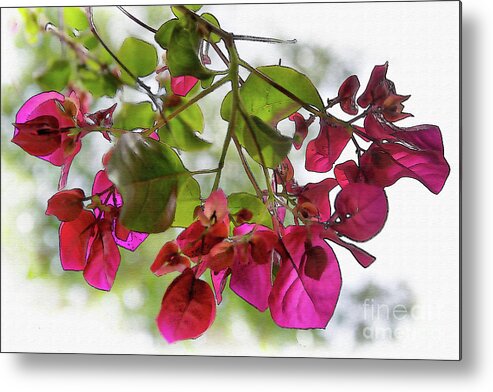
(139, 56)
(180, 131)
(88, 40)
(148, 175)
(98, 84)
(212, 20)
(265, 144)
(163, 35)
(182, 47)
(268, 106)
(191, 7)
(182, 56)
(243, 200)
(266, 102)
(56, 76)
(135, 115)
(75, 18)
(188, 198)
(207, 82)
(181, 41)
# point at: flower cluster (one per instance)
(289, 269)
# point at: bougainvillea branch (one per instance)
(144, 187)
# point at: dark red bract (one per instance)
(347, 95)
(66, 205)
(169, 259)
(188, 308)
(211, 227)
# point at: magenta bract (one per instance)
(325, 149)
(297, 300)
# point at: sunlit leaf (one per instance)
(163, 35)
(191, 7)
(265, 144)
(269, 106)
(31, 26)
(98, 84)
(76, 18)
(188, 198)
(266, 102)
(139, 56)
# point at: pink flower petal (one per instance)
(325, 149)
(347, 173)
(103, 259)
(301, 125)
(133, 240)
(74, 240)
(181, 85)
(219, 283)
(385, 164)
(364, 258)
(250, 279)
(377, 77)
(318, 194)
(25, 113)
(216, 205)
(298, 300)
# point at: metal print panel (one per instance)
(245, 180)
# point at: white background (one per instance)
(128, 373)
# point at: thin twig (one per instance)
(137, 20)
(90, 18)
(361, 115)
(266, 40)
(205, 171)
(227, 141)
(250, 127)
(224, 58)
(248, 171)
(62, 27)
